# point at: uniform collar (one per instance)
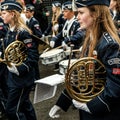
(12, 28)
(69, 21)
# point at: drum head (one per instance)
(51, 53)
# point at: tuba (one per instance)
(15, 53)
(85, 79)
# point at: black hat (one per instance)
(83, 3)
(56, 4)
(11, 5)
(30, 7)
(67, 5)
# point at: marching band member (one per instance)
(20, 78)
(33, 24)
(56, 25)
(70, 33)
(102, 36)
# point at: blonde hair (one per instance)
(56, 15)
(102, 23)
(18, 21)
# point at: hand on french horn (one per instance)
(53, 112)
(13, 69)
(82, 106)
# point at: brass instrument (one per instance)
(14, 53)
(85, 79)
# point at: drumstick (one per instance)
(57, 47)
(46, 50)
(76, 50)
(51, 49)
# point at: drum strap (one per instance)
(67, 27)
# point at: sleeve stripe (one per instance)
(104, 104)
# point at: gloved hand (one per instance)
(53, 112)
(52, 43)
(55, 27)
(13, 69)
(0, 53)
(81, 106)
(43, 37)
(64, 45)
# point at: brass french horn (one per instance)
(15, 53)
(85, 79)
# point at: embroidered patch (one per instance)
(116, 71)
(1, 28)
(114, 61)
(37, 26)
(29, 45)
(27, 41)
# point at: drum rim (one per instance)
(47, 54)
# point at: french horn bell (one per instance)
(85, 79)
(15, 53)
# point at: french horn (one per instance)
(15, 53)
(85, 79)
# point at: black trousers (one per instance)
(19, 106)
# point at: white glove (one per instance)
(81, 106)
(13, 69)
(55, 27)
(64, 44)
(0, 53)
(53, 112)
(43, 37)
(52, 44)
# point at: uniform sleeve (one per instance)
(109, 54)
(76, 35)
(64, 101)
(36, 29)
(31, 52)
(49, 29)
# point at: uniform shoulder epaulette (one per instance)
(108, 37)
(34, 19)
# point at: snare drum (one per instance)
(63, 65)
(52, 56)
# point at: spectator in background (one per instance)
(41, 14)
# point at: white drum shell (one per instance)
(63, 65)
(52, 56)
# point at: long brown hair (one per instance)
(102, 23)
(18, 21)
